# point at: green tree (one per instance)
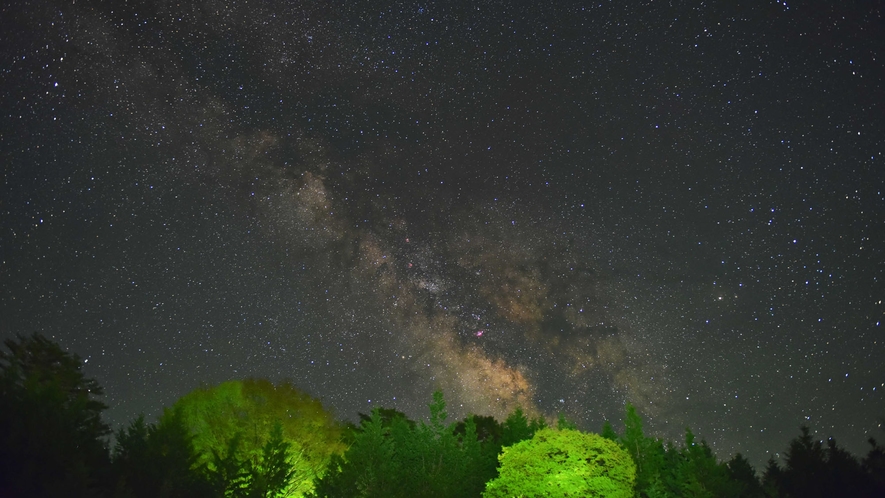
(563, 423)
(647, 453)
(518, 427)
(228, 473)
(51, 432)
(484, 467)
(564, 463)
(488, 430)
(608, 431)
(233, 422)
(698, 472)
(368, 468)
(272, 476)
(392, 456)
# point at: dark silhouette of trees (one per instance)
(388, 416)
(488, 430)
(157, 460)
(814, 470)
(51, 432)
(874, 465)
(743, 475)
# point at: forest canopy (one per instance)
(256, 438)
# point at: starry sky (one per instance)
(562, 206)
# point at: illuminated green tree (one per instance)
(273, 475)
(233, 423)
(647, 452)
(561, 463)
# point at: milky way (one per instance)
(561, 207)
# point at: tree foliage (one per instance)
(561, 463)
(233, 423)
(249, 439)
(689, 470)
(518, 427)
(392, 456)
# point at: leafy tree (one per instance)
(688, 470)
(564, 463)
(51, 433)
(228, 471)
(489, 432)
(232, 423)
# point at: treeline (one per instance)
(253, 438)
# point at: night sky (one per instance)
(564, 207)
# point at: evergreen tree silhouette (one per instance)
(51, 433)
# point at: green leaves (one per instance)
(274, 474)
(563, 463)
(392, 456)
(269, 423)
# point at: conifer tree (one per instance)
(51, 432)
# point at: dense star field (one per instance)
(562, 206)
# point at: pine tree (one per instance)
(648, 453)
(51, 432)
